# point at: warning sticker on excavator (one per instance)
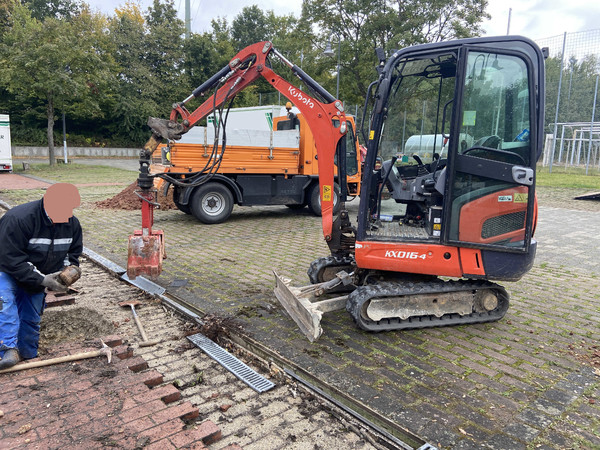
(371, 135)
(326, 193)
(520, 198)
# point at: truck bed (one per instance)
(247, 151)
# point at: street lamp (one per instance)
(329, 52)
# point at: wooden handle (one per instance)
(49, 362)
(140, 327)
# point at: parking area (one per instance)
(531, 380)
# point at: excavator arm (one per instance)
(325, 117)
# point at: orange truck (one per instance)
(273, 163)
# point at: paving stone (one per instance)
(439, 435)
(467, 445)
(504, 442)
(560, 396)
(535, 418)
(548, 407)
(522, 431)
(524, 359)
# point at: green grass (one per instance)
(79, 173)
(570, 177)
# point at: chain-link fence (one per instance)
(572, 75)
(572, 95)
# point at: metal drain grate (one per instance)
(231, 363)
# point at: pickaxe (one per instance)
(105, 350)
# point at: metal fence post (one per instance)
(562, 61)
(587, 165)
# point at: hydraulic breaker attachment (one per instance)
(302, 306)
(146, 249)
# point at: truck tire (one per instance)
(183, 208)
(211, 203)
(296, 206)
(314, 202)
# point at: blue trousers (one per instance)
(20, 316)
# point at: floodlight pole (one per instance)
(329, 52)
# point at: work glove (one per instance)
(51, 282)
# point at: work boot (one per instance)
(10, 358)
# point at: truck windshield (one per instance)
(421, 89)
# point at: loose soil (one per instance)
(72, 325)
(129, 201)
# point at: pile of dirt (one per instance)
(77, 324)
(129, 201)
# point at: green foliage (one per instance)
(59, 9)
(108, 75)
(577, 89)
(56, 63)
(80, 173)
(569, 177)
(363, 25)
(250, 26)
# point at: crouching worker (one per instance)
(37, 241)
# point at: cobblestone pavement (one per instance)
(527, 381)
(90, 404)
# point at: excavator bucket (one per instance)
(300, 303)
(145, 254)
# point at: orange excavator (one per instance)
(447, 200)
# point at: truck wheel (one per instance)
(314, 203)
(183, 208)
(296, 205)
(212, 203)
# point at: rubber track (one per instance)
(362, 294)
(327, 261)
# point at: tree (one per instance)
(165, 52)
(363, 25)
(56, 62)
(59, 9)
(577, 89)
(136, 89)
(249, 26)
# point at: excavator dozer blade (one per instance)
(297, 302)
(145, 254)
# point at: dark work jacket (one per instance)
(31, 246)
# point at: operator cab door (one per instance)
(490, 198)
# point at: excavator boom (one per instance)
(325, 117)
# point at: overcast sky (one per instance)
(535, 19)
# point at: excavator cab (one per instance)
(459, 138)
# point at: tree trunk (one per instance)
(50, 113)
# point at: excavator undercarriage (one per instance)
(383, 301)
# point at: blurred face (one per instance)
(59, 201)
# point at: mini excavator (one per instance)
(453, 132)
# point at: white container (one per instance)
(6, 164)
(251, 118)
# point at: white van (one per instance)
(5, 150)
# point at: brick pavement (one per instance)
(172, 379)
(15, 181)
(524, 382)
(93, 404)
